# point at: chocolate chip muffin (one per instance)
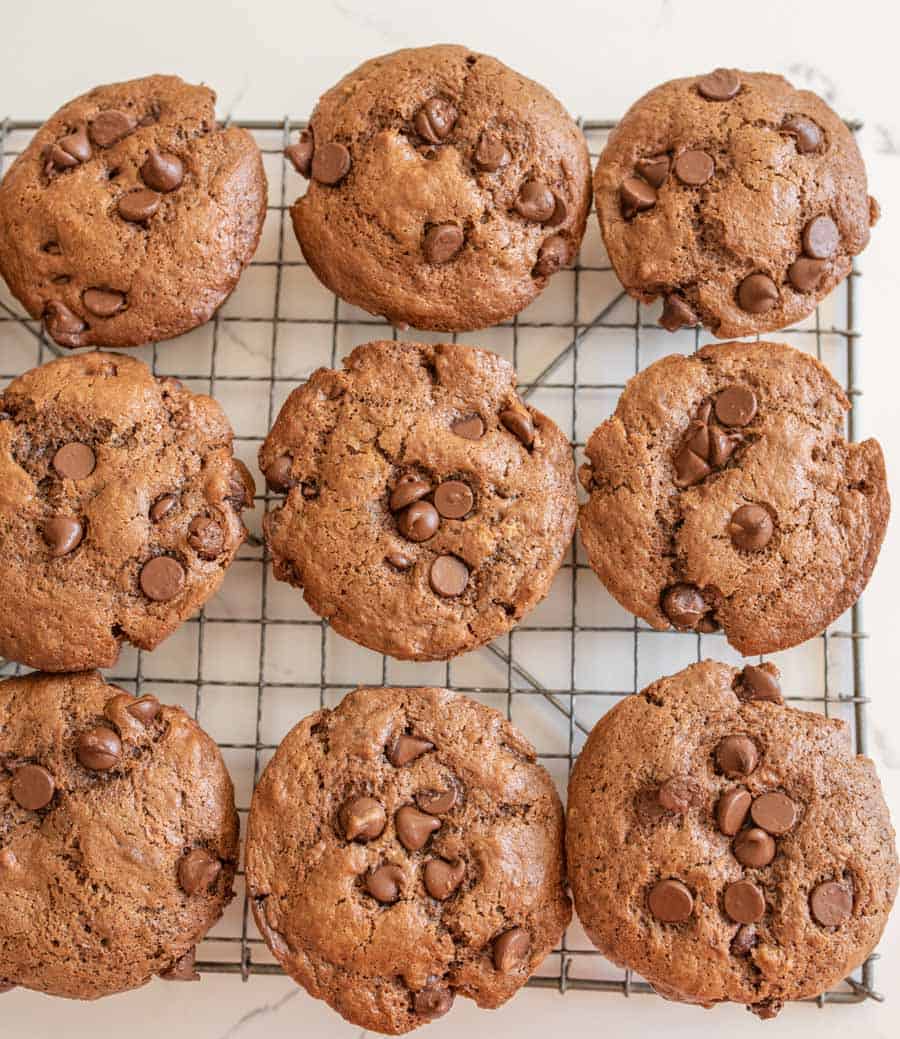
(428, 507)
(726, 847)
(723, 494)
(403, 849)
(131, 214)
(120, 509)
(445, 189)
(738, 199)
(118, 837)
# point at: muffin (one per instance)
(722, 494)
(445, 189)
(428, 507)
(727, 847)
(131, 214)
(403, 849)
(120, 509)
(118, 837)
(736, 198)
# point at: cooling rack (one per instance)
(257, 659)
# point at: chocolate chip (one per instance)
(519, 423)
(162, 171)
(442, 242)
(774, 812)
(737, 755)
(453, 499)
(414, 827)
(77, 145)
(278, 475)
(383, 884)
(491, 154)
(654, 170)
(807, 134)
(448, 576)
(821, 238)
(161, 578)
(138, 205)
(805, 274)
(689, 468)
(103, 302)
(144, 708)
(111, 126)
(409, 488)
(432, 1002)
(722, 445)
(535, 201)
(198, 871)
(694, 167)
(74, 461)
(744, 902)
(32, 787)
(330, 163)
(435, 120)
(677, 794)
(720, 85)
(677, 314)
(57, 159)
(636, 195)
(300, 153)
(754, 848)
(405, 749)
(362, 819)
(182, 969)
(511, 949)
(206, 537)
(736, 406)
(831, 904)
(757, 294)
(442, 878)
(744, 940)
(63, 535)
(419, 521)
(670, 901)
(436, 802)
(162, 507)
(560, 212)
(470, 428)
(64, 326)
(751, 528)
(553, 255)
(732, 810)
(684, 606)
(400, 560)
(759, 683)
(99, 749)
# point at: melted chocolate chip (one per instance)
(694, 167)
(453, 499)
(751, 528)
(536, 202)
(384, 883)
(511, 949)
(405, 749)
(161, 578)
(111, 126)
(99, 749)
(448, 576)
(757, 294)
(737, 755)
(162, 171)
(744, 902)
(831, 903)
(103, 302)
(442, 243)
(139, 205)
(63, 535)
(491, 154)
(635, 196)
(300, 153)
(414, 828)
(470, 427)
(330, 163)
(74, 461)
(732, 810)
(806, 133)
(677, 314)
(362, 819)
(442, 878)
(720, 85)
(519, 423)
(754, 848)
(654, 170)
(198, 871)
(435, 120)
(670, 901)
(553, 255)
(32, 787)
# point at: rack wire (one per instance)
(256, 660)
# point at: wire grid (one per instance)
(256, 659)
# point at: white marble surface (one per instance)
(267, 58)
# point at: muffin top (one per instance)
(725, 846)
(738, 199)
(722, 493)
(120, 509)
(444, 189)
(118, 837)
(428, 507)
(405, 848)
(131, 214)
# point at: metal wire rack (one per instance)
(256, 659)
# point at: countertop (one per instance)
(267, 59)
